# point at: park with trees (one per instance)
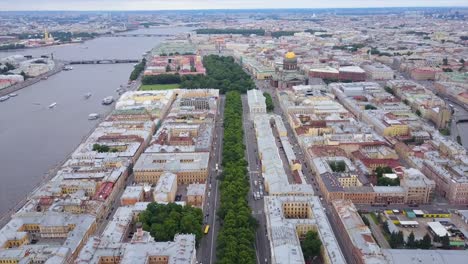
(222, 73)
(161, 79)
(236, 237)
(164, 221)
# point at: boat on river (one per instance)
(52, 105)
(108, 100)
(87, 95)
(93, 116)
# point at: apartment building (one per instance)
(419, 189)
(357, 238)
(256, 102)
(191, 167)
(289, 218)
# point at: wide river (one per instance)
(35, 139)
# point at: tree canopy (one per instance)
(236, 238)
(384, 181)
(278, 34)
(230, 31)
(12, 46)
(311, 245)
(222, 73)
(103, 148)
(161, 79)
(138, 69)
(164, 221)
(269, 102)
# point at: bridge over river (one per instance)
(101, 61)
(149, 35)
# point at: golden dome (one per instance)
(290, 55)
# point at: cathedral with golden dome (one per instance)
(288, 75)
(290, 61)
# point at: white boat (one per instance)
(108, 100)
(4, 98)
(88, 95)
(93, 116)
(52, 105)
(67, 68)
(13, 95)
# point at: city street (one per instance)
(310, 177)
(207, 251)
(262, 245)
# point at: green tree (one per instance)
(164, 221)
(445, 240)
(370, 107)
(25, 76)
(311, 245)
(426, 242)
(385, 227)
(278, 34)
(269, 102)
(393, 240)
(445, 131)
(9, 66)
(102, 148)
(138, 69)
(400, 239)
(244, 32)
(365, 220)
(411, 243)
(161, 79)
(236, 236)
(221, 73)
(418, 112)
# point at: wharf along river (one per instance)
(35, 139)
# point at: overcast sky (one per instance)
(211, 4)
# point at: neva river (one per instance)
(35, 139)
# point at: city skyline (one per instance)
(88, 5)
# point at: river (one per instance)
(35, 139)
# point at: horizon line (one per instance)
(227, 9)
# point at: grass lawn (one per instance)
(153, 87)
(374, 217)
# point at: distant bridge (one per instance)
(102, 61)
(127, 35)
